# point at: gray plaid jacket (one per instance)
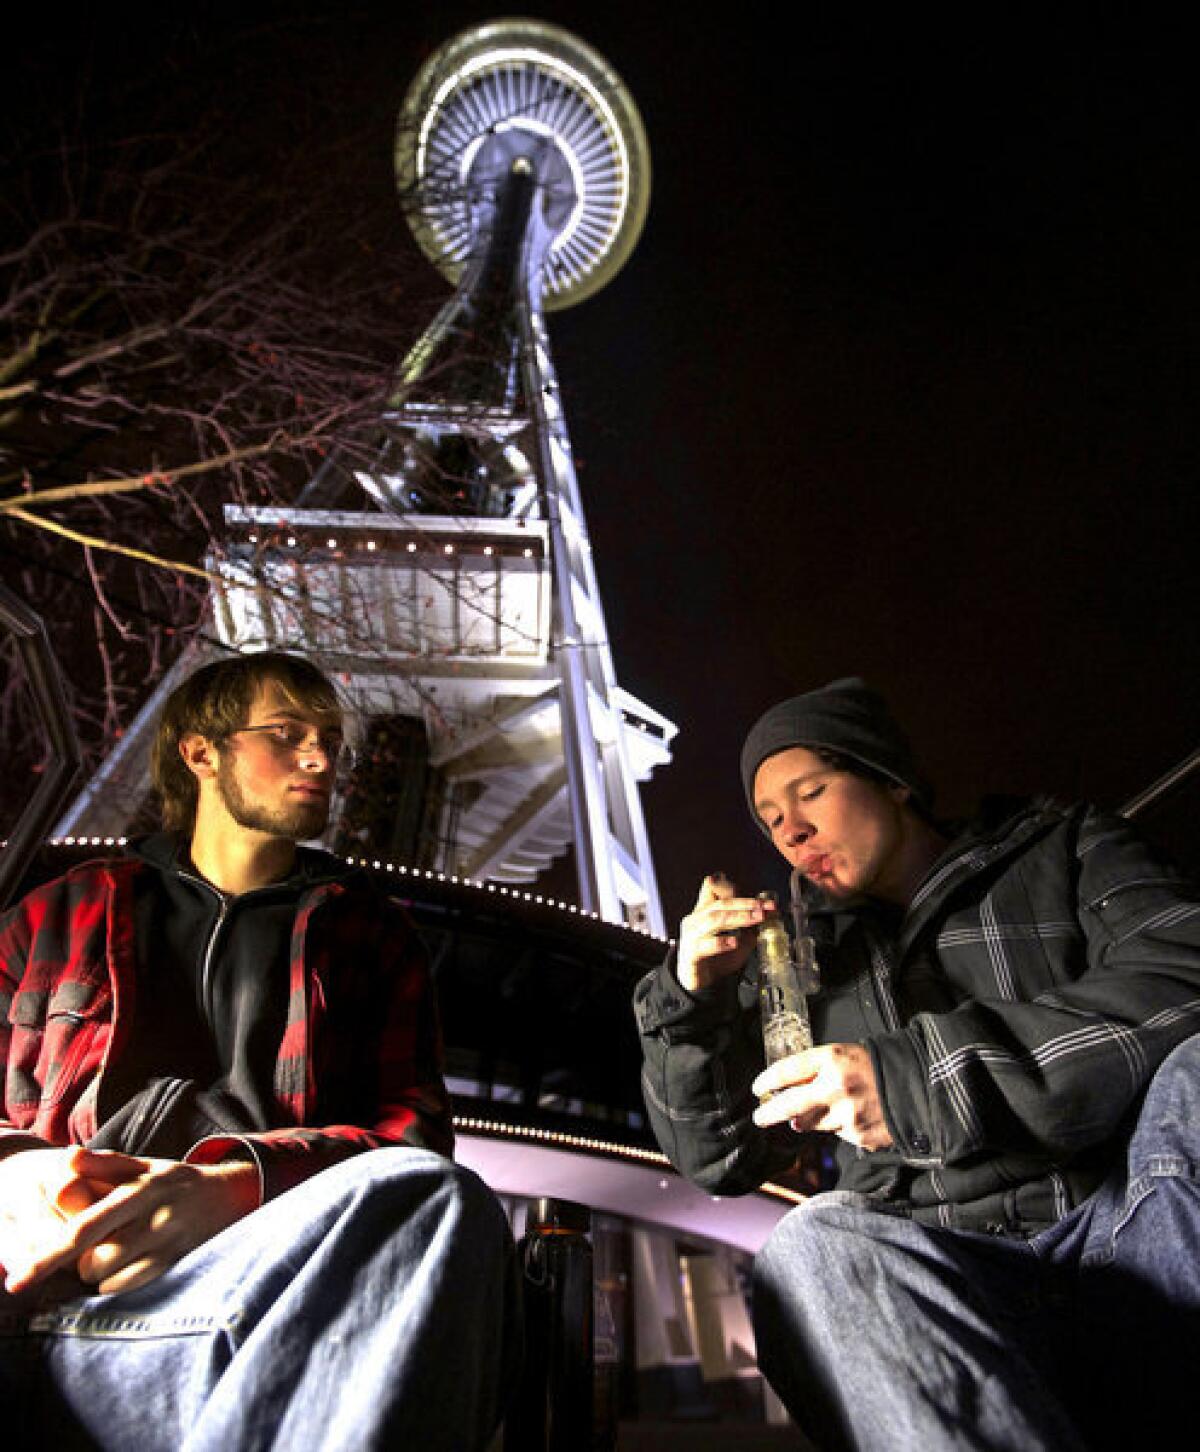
(1015, 1015)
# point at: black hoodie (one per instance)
(211, 1004)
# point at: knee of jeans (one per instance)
(1183, 1062)
(1173, 1099)
(436, 1182)
(794, 1276)
(471, 1198)
(803, 1246)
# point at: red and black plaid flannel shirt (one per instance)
(358, 1067)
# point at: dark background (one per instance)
(900, 381)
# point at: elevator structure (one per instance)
(441, 570)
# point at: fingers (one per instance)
(714, 887)
(713, 941)
(134, 1230)
(720, 914)
(146, 1227)
(75, 1196)
(30, 1259)
(111, 1166)
(139, 1273)
(796, 1069)
(831, 1088)
(805, 1107)
(54, 1248)
(717, 889)
(717, 929)
(138, 1200)
(88, 1175)
(116, 1265)
(43, 1194)
(101, 1262)
(136, 1236)
(845, 1069)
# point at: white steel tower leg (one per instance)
(612, 847)
(497, 109)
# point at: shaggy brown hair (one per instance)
(215, 702)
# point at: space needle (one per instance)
(442, 570)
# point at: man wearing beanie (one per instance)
(1007, 1051)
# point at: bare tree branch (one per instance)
(94, 542)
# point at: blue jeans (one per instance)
(879, 1333)
(373, 1306)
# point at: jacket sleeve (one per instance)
(14, 949)
(700, 1054)
(52, 982)
(1059, 1072)
(374, 1068)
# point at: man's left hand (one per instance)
(830, 1088)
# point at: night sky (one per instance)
(901, 381)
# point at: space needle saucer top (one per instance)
(524, 92)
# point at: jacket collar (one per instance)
(1002, 827)
(167, 852)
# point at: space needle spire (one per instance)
(525, 175)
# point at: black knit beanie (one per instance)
(846, 716)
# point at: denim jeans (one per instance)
(373, 1306)
(879, 1333)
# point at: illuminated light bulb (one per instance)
(412, 549)
(370, 544)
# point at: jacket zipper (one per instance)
(210, 944)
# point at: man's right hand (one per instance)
(713, 938)
(120, 1220)
(43, 1190)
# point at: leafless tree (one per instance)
(178, 330)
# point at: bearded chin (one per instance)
(299, 822)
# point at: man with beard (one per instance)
(228, 1216)
(1007, 1052)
